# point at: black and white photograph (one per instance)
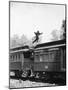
(37, 44)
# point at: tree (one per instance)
(64, 29)
(25, 41)
(55, 36)
(61, 34)
(14, 41)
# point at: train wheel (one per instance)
(31, 73)
(25, 74)
(17, 74)
(37, 76)
(46, 77)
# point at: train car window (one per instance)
(10, 57)
(57, 55)
(51, 56)
(63, 59)
(45, 57)
(36, 58)
(54, 56)
(16, 57)
(19, 56)
(41, 58)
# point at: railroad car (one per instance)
(46, 60)
(50, 60)
(21, 61)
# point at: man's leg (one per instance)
(34, 40)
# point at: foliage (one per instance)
(59, 34)
(15, 41)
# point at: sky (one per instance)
(27, 18)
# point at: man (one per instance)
(37, 36)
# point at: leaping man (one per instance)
(36, 36)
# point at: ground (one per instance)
(17, 84)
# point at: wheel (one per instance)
(17, 74)
(25, 74)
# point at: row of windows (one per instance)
(19, 56)
(49, 56)
(15, 57)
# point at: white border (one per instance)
(4, 45)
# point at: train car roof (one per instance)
(19, 48)
(39, 46)
(54, 43)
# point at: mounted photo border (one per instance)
(10, 33)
